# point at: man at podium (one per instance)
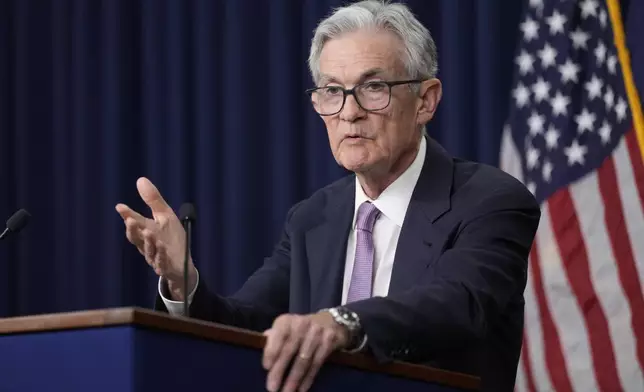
(416, 256)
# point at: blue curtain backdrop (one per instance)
(206, 98)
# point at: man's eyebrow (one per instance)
(371, 73)
(324, 79)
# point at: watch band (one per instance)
(351, 322)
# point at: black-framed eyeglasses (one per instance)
(370, 96)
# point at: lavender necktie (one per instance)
(362, 275)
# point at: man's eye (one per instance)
(375, 86)
(333, 90)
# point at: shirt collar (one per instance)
(394, 200)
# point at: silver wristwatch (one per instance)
(351, 321)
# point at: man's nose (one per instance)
(351, 110)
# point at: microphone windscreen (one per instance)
(18, 220)
(187, 212)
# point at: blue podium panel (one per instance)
(128, 358)
(100, 359)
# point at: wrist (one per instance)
(344, 335)
(176, 286)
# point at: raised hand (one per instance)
(160, 239)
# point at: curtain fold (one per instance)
(206, 98)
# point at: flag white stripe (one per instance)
(568, 318)
(590, 209)
(534, 337)
(633, 214)
(510, 162)
(510, 158)
(521, 384)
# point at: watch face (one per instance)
(348, 316)
(352, 322)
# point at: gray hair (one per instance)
(420, 57)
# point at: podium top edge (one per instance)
(153, 319)
(112, 317)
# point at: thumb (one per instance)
(151, 196)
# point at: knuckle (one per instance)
(271, 348)
(299, 368)
(275, 359)
(160, 246)
(326, 347)
(297, 324)
(302, 323)
(283, 320)
(295, 376)
(292, 346)
(270, 352)
(303, 363)
(269, 355)
(315, 329)
(149, 235)
(328, 334)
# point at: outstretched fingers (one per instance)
(133, 232)
(152, 197)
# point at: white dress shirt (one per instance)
(392, 203)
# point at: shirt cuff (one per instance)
(175, 308)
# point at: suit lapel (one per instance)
(326, 247)
(326, 241)
(430, 200)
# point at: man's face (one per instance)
(362, 141)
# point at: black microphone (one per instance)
(187, 214)
(17, 222)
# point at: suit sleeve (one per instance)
(471, 283)
(262, 298)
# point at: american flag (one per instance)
(571, 139)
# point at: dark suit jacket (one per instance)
(456, 294)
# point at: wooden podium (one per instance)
(134, 349)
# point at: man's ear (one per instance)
(431, 92)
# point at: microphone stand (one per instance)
(187, 224)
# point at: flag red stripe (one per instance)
(572, 247)
(621, 244)
(552, 344)
(636, 161)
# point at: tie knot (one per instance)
(367, 215)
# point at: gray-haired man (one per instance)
(417, 256)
